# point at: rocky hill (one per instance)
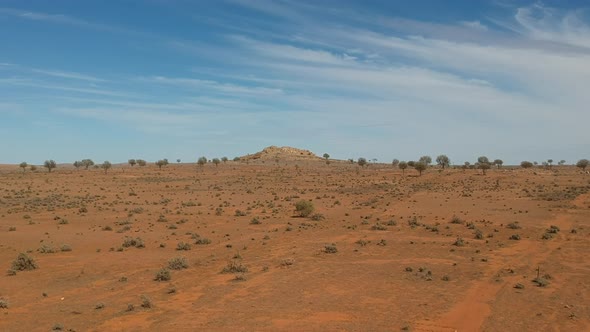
(282, 153)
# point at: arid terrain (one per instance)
(384, 249)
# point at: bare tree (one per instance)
(49, 164)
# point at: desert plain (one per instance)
(222, 248)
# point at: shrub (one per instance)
(66, 247)
(513, 225)
(203, 240)
(478, 234)
(131, 242)
(178, 263)
(330, 249)
(317, 217)
(3, 303)
(526, 164)
(183, 246)
(515, 237)
(304, 208)
(456, 220)
(519, 286)
(162, 275)
(234, 267)
(146, 302)
(583, 163)
(459, 242)
(541, 282)
(24, 262)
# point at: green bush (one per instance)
(304, 208)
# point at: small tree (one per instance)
(394, 162)
(216, 161)
(178, 161)
(550, 162)
(426, 160)
(161, 163)
(498, 163)
(224, 159)
(583, 163)
(326, 156)
(49, 164)
(443, 161)
(420, 167)
(526, 164)
(561, 162)
(77, 164)
(403, 165)
(87, 163)
(484, 167)
(362, 162)
(483, 159)
(141, 162)
(202, 161)
(132, 162)
(23, 165)
(106, 165)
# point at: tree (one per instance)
(224, 159)
(23, 165)
(420, 167)
(362, 162)
(236, 158)
(583, 163)
(561, 162)
(106, 165)
(87, 163)
(216, 161)
(498, 163)
(425, 160)
(326, 156)
(403, 165)
(77, 164)
(132, 162)
(49, 164)
(443, 161)
(202, 161)
(141, 162)
(550, 162)
(161, 162)
(411, 163)
(484, 167)
(178, 161)
(394, 162)
(526, 164)
(483, 159)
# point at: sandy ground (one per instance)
(396, 266)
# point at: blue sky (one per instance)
(113, 80)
